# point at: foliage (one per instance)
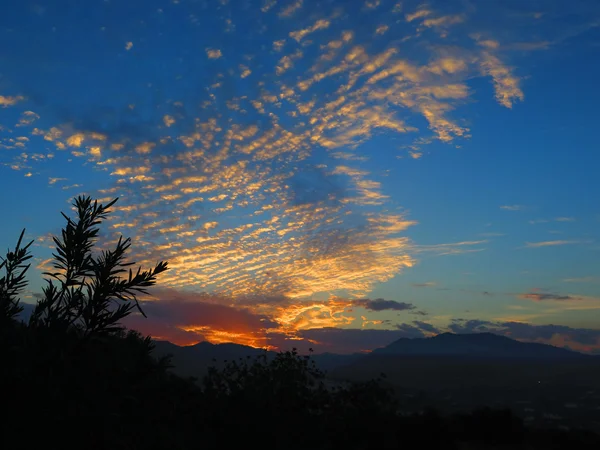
(88, 292)
(73, 360)
(13, 282)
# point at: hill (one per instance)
(480, 345)
(424, 355)
(194, 360)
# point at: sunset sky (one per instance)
(333, 174)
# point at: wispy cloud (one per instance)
(581, 339)
(538, 297)
(267, 5)
(380, 304)
(425, 284)
(512, 207)
(453, 248)
(320, 24)
(291, 9)
(506, 83)
(551, 243)
(27, 118)
(582, 280)
(52, 181)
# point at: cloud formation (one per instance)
(512, 207)
(6, 101)
(579, 339)
(242, 155)
(379, 304)
(541, 296)
(551, 243)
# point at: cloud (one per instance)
(267, 5)
(276, 323)
(582, 280)
(453, 248)
(286, 62)
(372, 4)
(538, 297)
(320, 24)
(381, 29)
(426, 327)
(27, 118)
(550, 243)
(168, 120)
(425, 284)
(471, 326)
(261, 185)
(512, 207)
(213, 53)
(420, 13)
(52, 181)
(10, 101)
(187, 318)
(443, 21)
(506, 84)
(380, 304)
(343, 341)
(291, 9)
(579, 339)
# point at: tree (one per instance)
(73, 362)
(87, 292)
(13, 282)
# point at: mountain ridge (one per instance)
(194, 360)
(483, 345)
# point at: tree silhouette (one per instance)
(13, 282)
(73, 362)
(87, 292)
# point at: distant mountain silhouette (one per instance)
(468, 361)
(484, 345)
(422, 354)
(194, 360)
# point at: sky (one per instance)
(332, 174)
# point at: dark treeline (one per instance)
(71, 377)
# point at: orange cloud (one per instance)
(185, 318)
(10, 101)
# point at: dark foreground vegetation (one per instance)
(71, 377)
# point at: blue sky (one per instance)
(296, 161)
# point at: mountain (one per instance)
(194, 360)
(457, 358)
(482, 345)
(469, 361)
(331, 361)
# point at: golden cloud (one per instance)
(10, 101)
